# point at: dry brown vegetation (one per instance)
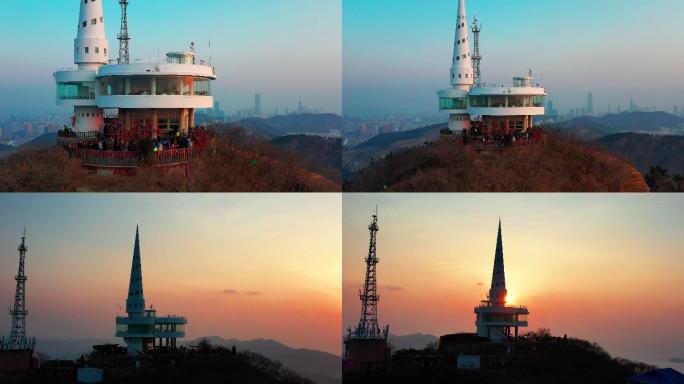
(234, 162)
(555, 164)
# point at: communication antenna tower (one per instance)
(17, 340)
(124, 38)
(477, 58)
(368, 327)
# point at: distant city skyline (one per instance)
(283, 50)
(604, 268)
(396, 54)
(239, 266)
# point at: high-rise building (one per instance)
(142, 329)
(495, 319)
(507, 108)
(550, 111)
(257, 104)
(590, 104)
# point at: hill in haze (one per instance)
(556, 163)
(414, 341)
(323, 124)
(592, 128)
(321, 367)
(646, 151)
(359, 156)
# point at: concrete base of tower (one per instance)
(365, 354)
(88, 119)
(459, 122)
(16, 363)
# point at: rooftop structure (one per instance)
(142, 329)
(366, 345)
(494, 319)
(122, 101)
(480, 109)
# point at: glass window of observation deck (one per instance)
(519, 101)
(110, 86)
(141, 85)
(453, 103)
(76, 91)
(478, 101)
(538, 101)
(201, 87)
(169, 85)
(497, 101)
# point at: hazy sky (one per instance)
(397, 53)
(283, 49)
(242, 266)
(607, 268)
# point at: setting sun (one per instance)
(510, 298)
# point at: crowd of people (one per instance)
(501, 136)
(157, 144)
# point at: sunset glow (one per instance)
(238, 266)
(605, 268)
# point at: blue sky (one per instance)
(282, 49)
(396, 53)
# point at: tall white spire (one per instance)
(91, 48)
(462, 65)
(497, 292)
(135, 303)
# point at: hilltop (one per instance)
(321, 154)
(235, 161)
(557, 163)
(321, 367)
(537, 358)
(204, 363)
(593, 128)
(358, 157)
(318, 366)
(323, 124)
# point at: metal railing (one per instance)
(130, 159)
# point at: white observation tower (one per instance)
(492, 110)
